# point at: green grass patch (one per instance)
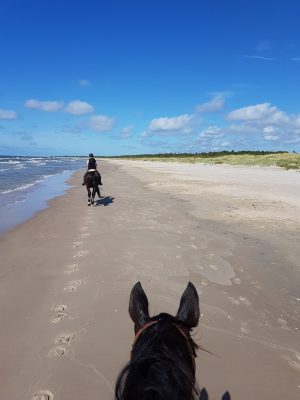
(261, 158)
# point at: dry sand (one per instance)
(66, 275)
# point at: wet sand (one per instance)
(66, 275)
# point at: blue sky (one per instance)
(127, 77)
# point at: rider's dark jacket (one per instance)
(92, 163)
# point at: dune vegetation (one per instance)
(260, 158)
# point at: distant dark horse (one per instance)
(162, 364)
(91, 182)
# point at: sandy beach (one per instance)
(66, 275)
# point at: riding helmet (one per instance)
(91, 155)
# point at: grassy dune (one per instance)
(279, 159)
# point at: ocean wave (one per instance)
(27, 186)
(37, 162)
(55, 161)
(14, 162)
(8, 161)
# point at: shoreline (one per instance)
(36, 200)
(47, 192)
(67, 273)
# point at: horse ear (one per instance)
(138, 306)
(226, 396)
(203, 395)
(189, 311)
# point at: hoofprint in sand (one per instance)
(67, 273)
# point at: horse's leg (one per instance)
(98, 192)
(95, 185)
(93, 195)
(89, 195)
(95, 191)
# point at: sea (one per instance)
(28, 183)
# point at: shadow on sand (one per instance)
(104, 201)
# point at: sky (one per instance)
(130, 77)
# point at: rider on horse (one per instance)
(92, 167)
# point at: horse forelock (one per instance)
(161, 366)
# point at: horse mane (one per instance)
(161, 366)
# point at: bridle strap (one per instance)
(141, 330)
(192, 354)
(182, 331)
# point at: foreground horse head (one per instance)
(91, 182)
(162, 364)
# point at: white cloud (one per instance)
(48, 106)
(272, 138)
(101, 123)
(264, 112)
(78, 107)
(84, 82)
(144, 134)
(126, 131)
(216, 104)
(297, 121)
(180, 123)
(269, 129)
(7, 114)
(225, 144)
(260, 125)
(242, 129)
(267, 122)
(294, 140)
(262, 58)
(212, 132)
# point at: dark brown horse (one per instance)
(162, 364)
(91, 181)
